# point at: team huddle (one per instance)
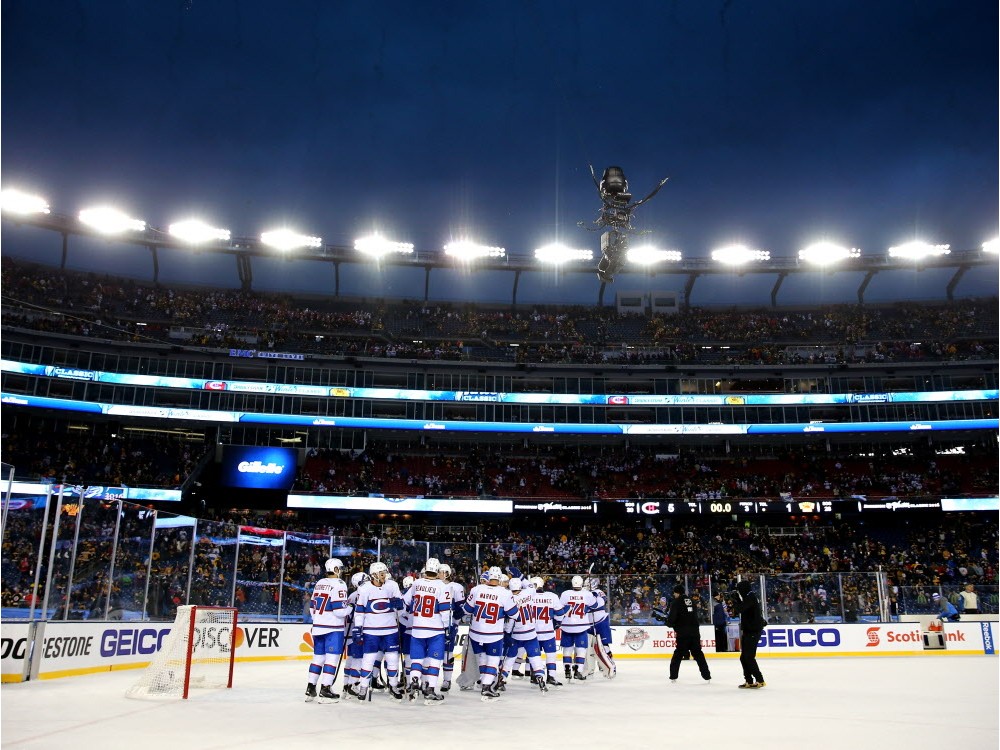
(412, 632)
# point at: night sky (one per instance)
(778, 122)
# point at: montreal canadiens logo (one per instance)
(634, 638)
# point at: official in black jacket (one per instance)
(752, 624)
(720, 617)
(683, 618)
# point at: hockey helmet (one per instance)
(515, 584)
(577, 582)
(433, 565)
(445, 570)
(407, 582)
(358, 578)
(494, 573)
(334, 565)
(378, 570)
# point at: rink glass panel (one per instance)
(268, 574)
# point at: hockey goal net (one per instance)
(198, 652)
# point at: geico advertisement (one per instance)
(816, 639)
(13, 649)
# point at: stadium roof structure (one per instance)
(246, 248)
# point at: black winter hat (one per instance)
(743, 587)
(678, 589)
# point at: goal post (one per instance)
(198, 652)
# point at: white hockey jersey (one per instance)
(547, 608)
(429, 599)
(328, 606)
(579, 605)
(601, 613)
(375, 612)
(524, 619)
(488, 605)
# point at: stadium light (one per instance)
(917, 249)
(558, 254)
(735, 255)
(827, 253)
(378, 247)
(468, 250)
(16, 202)
(196, 232)
(286, 240)
(647, 255)
(992, 246)
(107, 220)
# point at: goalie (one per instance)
(602, 631)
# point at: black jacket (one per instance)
(683, 617)
(751, 618)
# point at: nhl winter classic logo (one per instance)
(634, 638)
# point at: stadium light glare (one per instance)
(992, 246)
(196, 232)
(647, 255)
(468, 250)
(17, 202)
(286, 240)
(107, 220)
(917, 249)
(558, 254)
(735, 255)
(377, 246)
(827, 253)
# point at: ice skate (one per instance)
(310, 693)
(551, 681)
(326, 695)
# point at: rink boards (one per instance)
(64, 649)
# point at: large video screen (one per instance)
(256, 467)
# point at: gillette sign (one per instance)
(258, 467)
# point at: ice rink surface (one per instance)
(913, 702)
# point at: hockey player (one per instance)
(330, 610)
(575, 626)
(602, 630)
(547, 609)
(489, 604)
(457, 602)
(355, 640)
(523, 635)
(405, 632)
(375, 617)
(429, 599)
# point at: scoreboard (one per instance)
(735, 507)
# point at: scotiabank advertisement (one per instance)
(65, 649)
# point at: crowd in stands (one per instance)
(637, 473)
(119, 309)
(47, 452)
